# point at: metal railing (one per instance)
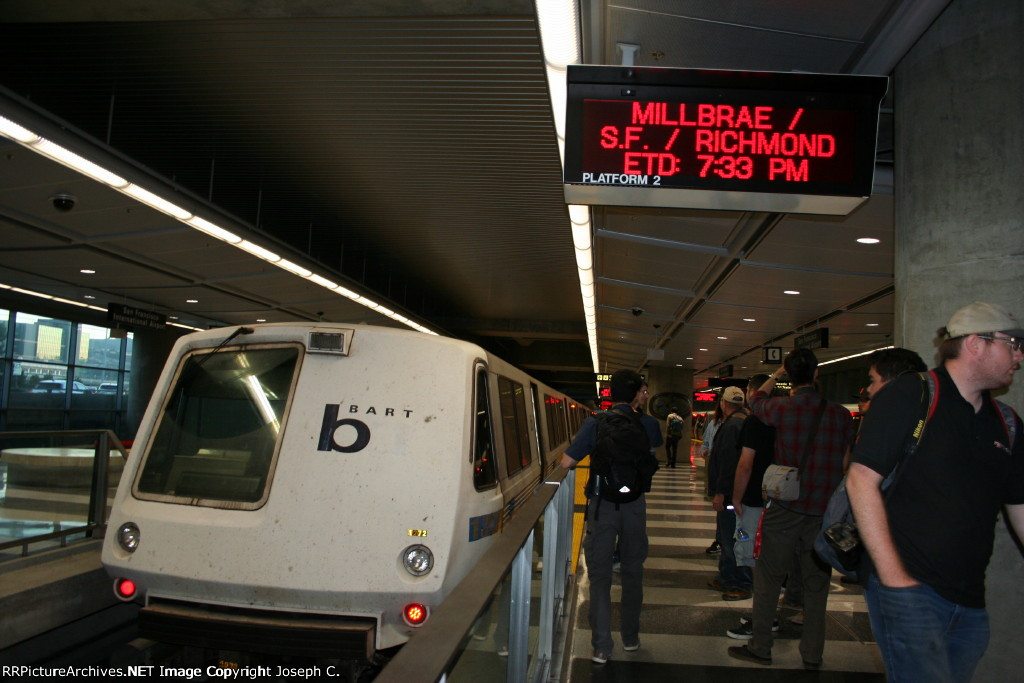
(96, 518)
(434, 649)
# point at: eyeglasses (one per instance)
(1014, 343)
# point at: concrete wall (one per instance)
(959, 211)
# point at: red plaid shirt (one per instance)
(793, 418)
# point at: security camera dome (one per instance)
(63, 202)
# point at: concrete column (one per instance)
(959, 148)
(149, 354)
(662, 380)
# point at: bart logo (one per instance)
(330, 427)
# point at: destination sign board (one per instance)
(642, 136)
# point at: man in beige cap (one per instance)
(734, 581)
(930, 538)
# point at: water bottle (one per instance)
(741, 535)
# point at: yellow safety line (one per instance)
(579, 509)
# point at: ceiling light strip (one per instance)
(559, 37)
(66, 157)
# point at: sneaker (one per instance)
(631, 647)
(503, 651)
(745, 621)
(745, 631)
(714, 548)
(733, 594)
(600, 657)
(746, 655)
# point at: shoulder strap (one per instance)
(929, 400)
(1009, 420)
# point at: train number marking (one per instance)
(330, 427)
(484, 526)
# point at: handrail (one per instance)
(433, 648)
(95, 522)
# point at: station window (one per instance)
(58, 374)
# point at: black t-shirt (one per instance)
(760, 437)
(725, 453)
(943, 508)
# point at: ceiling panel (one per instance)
(408, 150)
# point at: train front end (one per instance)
(298, 491)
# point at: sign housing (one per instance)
(735, 140)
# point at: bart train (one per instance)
(316, 490)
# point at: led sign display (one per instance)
(704, 400)
(764, 141)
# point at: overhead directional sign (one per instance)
(786, 142)
(818, 339)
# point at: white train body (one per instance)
(273, 478)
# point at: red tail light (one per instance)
(125, 589)
(415, 614)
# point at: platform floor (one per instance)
(683, 623)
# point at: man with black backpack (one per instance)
(674, 425)
(622, 464)
(931, 535)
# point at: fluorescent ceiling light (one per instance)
(80, 164)
(12, 130)
(157, 202)
(294, 268)
(209, 228)
(323, 282)
(868, 240)
(257, 250)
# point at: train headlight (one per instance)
(418, 560)
(128, 536)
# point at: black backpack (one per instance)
(621, 464)
(675, 426)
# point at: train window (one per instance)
(557, 431)
(514, 426)
(219, 428)
(484, 473)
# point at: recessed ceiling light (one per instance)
(689, 358)
(872, 324)
(172, 317)
(868, 240)
(88, 296)
(750, 320)
(87, 271)
(191, 301)
(702, 349)
(261, 320)
(722, 337)
(791, 291)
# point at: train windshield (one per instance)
(220, 428)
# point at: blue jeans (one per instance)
(729, 573)
(923, 636)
